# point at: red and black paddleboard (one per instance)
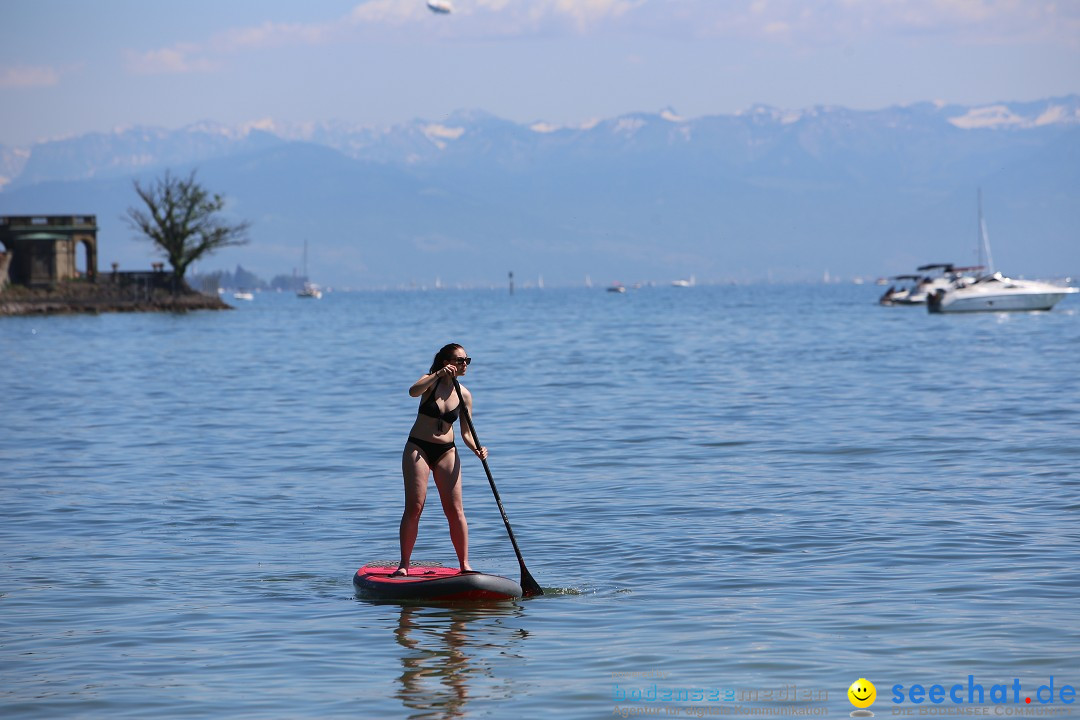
(432, 583)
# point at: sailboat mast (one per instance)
(978, 233)
(985, 258)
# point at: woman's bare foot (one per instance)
(400, 572)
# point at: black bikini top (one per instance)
(431, 408)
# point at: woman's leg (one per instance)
(448, 481)
(414, 469)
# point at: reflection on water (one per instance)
(451, 650)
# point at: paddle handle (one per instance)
(529, 586)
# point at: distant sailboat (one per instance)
(684, 283)
(310, 289)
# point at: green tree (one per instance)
(183, 220)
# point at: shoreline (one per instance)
(94, 299)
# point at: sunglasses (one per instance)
(459, 361)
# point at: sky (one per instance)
(69, 67)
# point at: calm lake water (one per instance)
(735, 491)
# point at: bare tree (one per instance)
(182, 219)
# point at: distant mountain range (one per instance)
(765, 193)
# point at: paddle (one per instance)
(529, 587)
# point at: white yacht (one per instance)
(997, 293)
(994, 292)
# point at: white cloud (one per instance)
(587, 12)
(786, 21)
(188, 57)
(495, 17)
(27, 76)
(176, 60)
(500, 18)
(777, 29)
(194, 57)
(824, 21)
(393, 12)
(271, 34)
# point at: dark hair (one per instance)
(442, 358)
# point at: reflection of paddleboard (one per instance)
(427, 582)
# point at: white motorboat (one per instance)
(994, 292)
(937, 276)
(997, 293)
(900, 295)
(243, 295)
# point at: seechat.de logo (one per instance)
(973, 693)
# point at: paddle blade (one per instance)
(529, 587)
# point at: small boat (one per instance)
(684, 283)
(617, 288)
(432, 583)
(243, 295)
(997, 293)
(310, 289)
(898, 295)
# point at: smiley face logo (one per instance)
(862, 693)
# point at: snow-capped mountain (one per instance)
(785, 191)
(467, 135)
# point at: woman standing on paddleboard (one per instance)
(430, 450)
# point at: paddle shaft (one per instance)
(529, 587)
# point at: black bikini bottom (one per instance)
(431, 451)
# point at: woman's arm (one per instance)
(425, 382)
